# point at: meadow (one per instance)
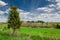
(29, 33)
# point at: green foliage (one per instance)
(40, 21)
(58, 26)
(13, 19)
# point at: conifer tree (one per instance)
(13, 19)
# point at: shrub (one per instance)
(58, 26)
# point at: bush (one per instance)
(58, 26)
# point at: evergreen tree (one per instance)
(13, 19)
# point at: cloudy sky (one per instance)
(46, 10)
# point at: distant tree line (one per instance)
(35, 21)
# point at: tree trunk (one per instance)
(14, 32)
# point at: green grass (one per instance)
(26, 33)
(44, 32)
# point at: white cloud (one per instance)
(49, 17)
(45, 9)
(3, 19)
(2, 3)
(1, 12)
(58, 2)
(24, 15)
(49, 13)
(7, 11)
(31, 16)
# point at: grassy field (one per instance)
(44, 32)
(28, 33)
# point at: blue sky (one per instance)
(27, 5)
(46, 10)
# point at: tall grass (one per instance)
(28, 33)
